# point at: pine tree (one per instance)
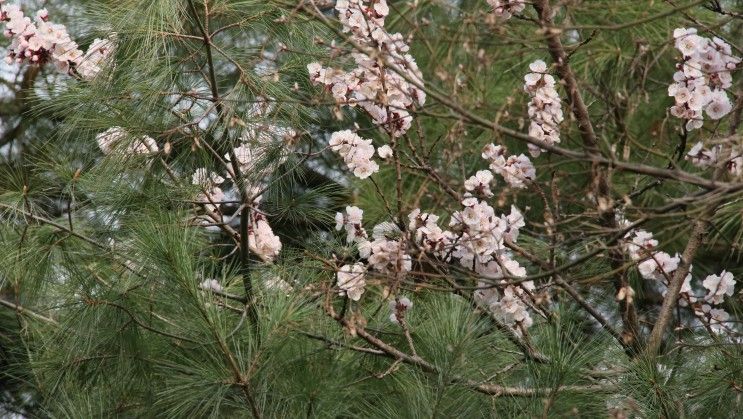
(371, 208)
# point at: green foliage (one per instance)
(103, 258)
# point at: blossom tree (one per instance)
(286, 209)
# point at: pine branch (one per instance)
(27, 312)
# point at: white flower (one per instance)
(719, 106)
(110, 141)
(480, 183)
(386, 256)
(702, 157)
(515, 170)
(201, 178)
(261, 239)
(704, 76)
(351, 280)
(244, 158)
(399, 307)
(384, 152)
(658, 266)
(40, 42)
(211, 195)
(716, 317)
(718, 287)
(211, 284)
(351, 220)
(380, 85)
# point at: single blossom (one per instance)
(399, 308)
(479, 184)
(351, 280)
(718, 287)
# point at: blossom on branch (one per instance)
(40, 42)
(386, 83)
(111, 140)
(702, 78)
(545, 109)
(504, 9)
(718, 287)
(351, 280)
(517, 171)
(356, 152)
(211, 194)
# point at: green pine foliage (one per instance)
(103, 256)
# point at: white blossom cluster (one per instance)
(39, 41)
(652, 264)
(211, 194)
(261, 239)
(356, 152)
(375, 84)
(388, 251)
(476, 241)
(702, 78)
(515, 170)
(509, 307)
(245, 159)
(718, 286)
(731, 155)
(112, 140)
(428, 235)
(504, 9)
(480, 247)
(481, 235)
(545, 109)
(657, 265)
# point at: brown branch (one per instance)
(675, 284)
(604, 201)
